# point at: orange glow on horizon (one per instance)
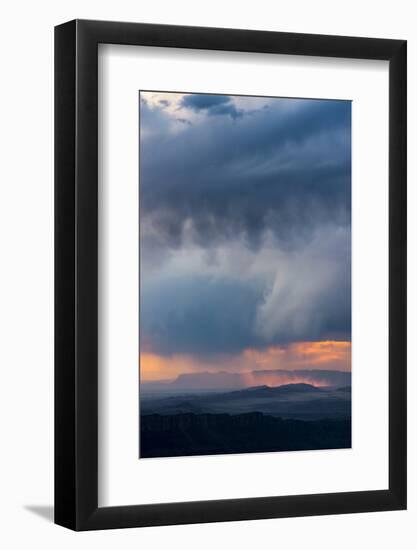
(158, 367)
(326, 355)
(308, 353)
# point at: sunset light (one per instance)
(328, 355)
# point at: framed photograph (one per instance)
(230, 255)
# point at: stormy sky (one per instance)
(245, 237)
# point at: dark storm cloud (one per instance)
(213, 105)
(280, 176)
(203, 101)
(286, 172)
(198, 315)
(201, 315)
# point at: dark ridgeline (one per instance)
(296, 401)
(208, 434)
(291, 417)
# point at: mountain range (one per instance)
(221, 381)
(298, 401)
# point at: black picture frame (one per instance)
(76, 273)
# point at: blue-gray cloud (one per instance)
(198, 315)
(283, 173)
(212, 105)
(204, 101)
(271, 170)
(251, 299)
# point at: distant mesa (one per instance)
(302, 380)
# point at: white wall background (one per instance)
(26, 272)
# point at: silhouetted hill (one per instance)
(276, 390)
(300, 401)
(198, 434)
(226, 381)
